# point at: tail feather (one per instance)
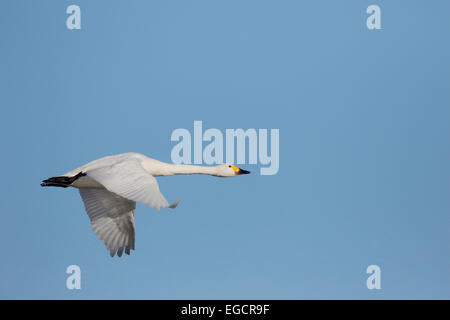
(63, 182)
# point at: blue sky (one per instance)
(364, 147)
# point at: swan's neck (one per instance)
(168, 169)
(189, 169)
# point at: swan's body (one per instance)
(111, 186)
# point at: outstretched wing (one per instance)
(130, 180)
(112, 218)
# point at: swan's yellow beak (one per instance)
(238, 171)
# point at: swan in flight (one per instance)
(111, 186)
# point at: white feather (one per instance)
(112, 218)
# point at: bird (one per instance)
(111, 186)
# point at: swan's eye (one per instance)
(229, 166)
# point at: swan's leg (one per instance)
(63, 182)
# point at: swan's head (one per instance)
(229, 170)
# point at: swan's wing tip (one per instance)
(174, 205)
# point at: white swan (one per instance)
(111, 186)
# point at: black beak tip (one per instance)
(241, 171)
